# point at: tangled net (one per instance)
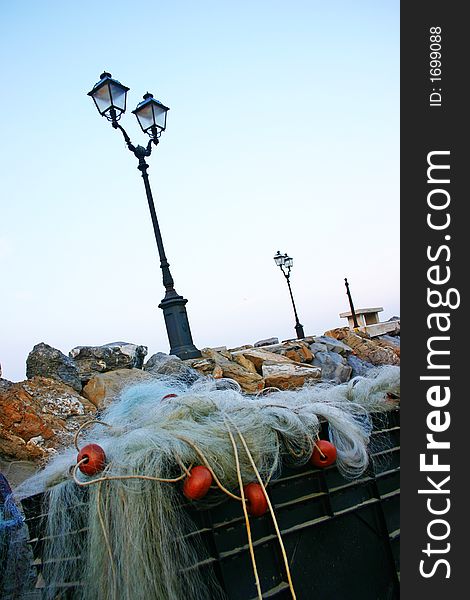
(137, 540)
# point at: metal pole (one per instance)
(164, 264)
(351, 303)
(299, 329)
(173, 305)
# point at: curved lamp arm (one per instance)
(139, 151)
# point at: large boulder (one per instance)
(46, 361)
(38, 416)
(377, 352)
(103, 388)
(109, 357)
(334, 367)
(161, 364)
(288, 375)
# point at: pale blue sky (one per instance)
(283, 133)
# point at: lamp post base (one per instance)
(177, 326)
(299, 330)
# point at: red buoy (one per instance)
(170, 396)
(95, 459)
(256, 501)
(198, 483)
(324, 454)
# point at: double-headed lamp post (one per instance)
(285, 263)
(110, 100)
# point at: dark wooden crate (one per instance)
(341, 537)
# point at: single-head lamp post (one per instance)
(351, 305)
(110, 99)
(285, 263)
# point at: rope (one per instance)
(204, 460)
(120, 477)
(186, 473)
(245, 512)
(276, 526)
(318, 448)
(267, 391)
(105, 535)
(87, 424)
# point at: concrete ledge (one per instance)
(381, 328)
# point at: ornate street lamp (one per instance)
(285, 263)
(110, 99)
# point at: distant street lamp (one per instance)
(110, 99)
(285, 263)
(351, 305)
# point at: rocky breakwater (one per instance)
(40, 415)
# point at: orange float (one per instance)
(256, 501)
(94, 459)
(324, 454)
(197, 484)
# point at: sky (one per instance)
(282, 134)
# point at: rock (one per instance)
(46, 361)
(218, 372)
(258, 355)
(267, 342)
(103, 388)
(359, 367)
(297, 351)
(250, 381)
(370, 350)
(38, 416)
(334, 367)
(332, 344)
(240, 348)
(390, 340)
(244, 362)
(204, 366)
(110, 357)
(318, 347)
(287, 375)
(387, 341)
(169, 365)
